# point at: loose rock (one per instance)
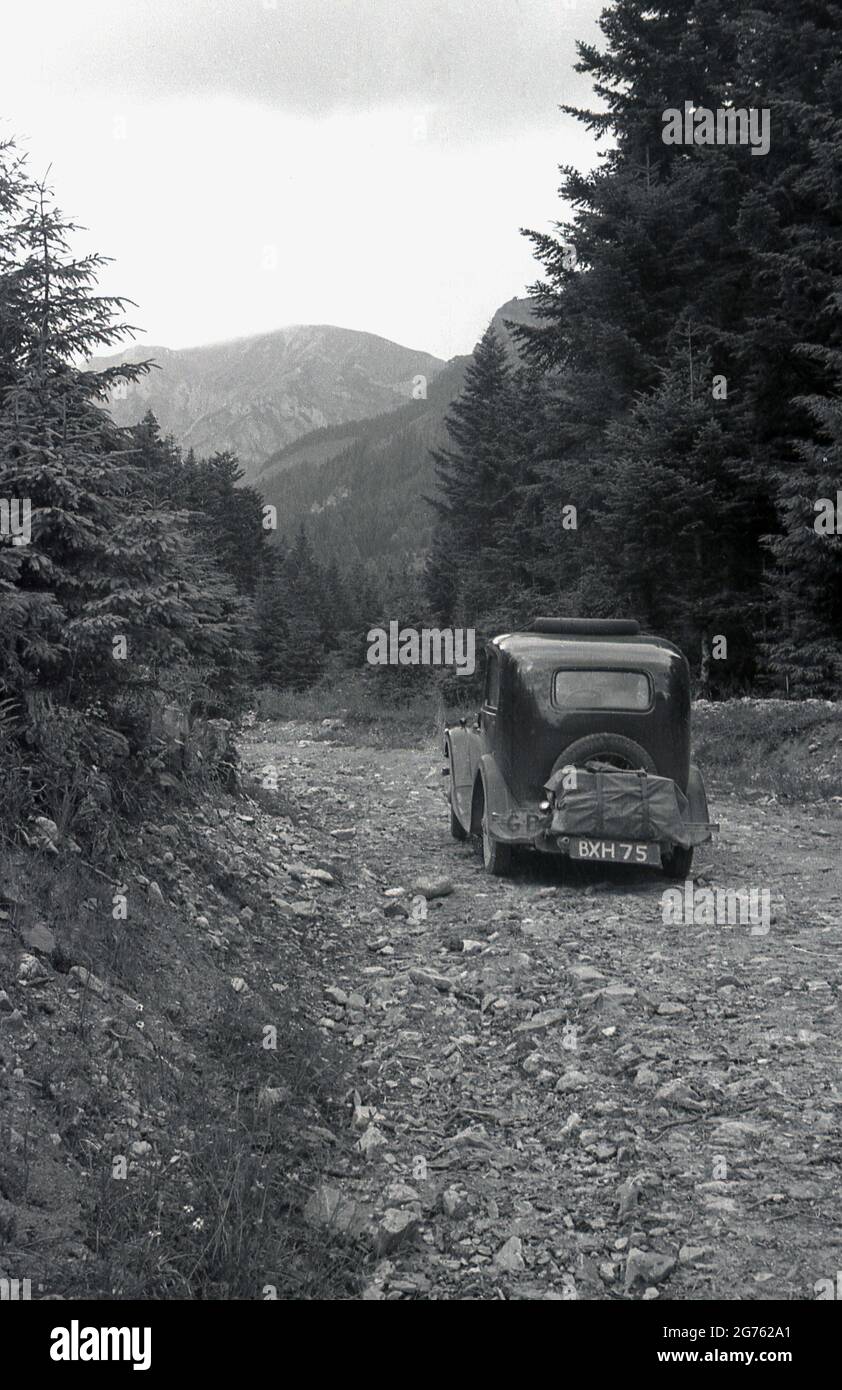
(433, 887)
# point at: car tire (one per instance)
(457, 829)
(606, 746)
(496, 856)
(677, 862)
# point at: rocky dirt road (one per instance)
(558, 1095)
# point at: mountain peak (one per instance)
(256, 394)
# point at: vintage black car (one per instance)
(581, 748)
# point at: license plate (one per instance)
(614, 851)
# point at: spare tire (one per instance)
(612, 748)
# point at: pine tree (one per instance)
(807, 653)
(108, 598)
(338, 618)
(229, 516)
(673, 522)
(476, 476)
(292, 620)
(90, 565)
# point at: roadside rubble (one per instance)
(112, 1003)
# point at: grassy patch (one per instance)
(789, 749)
(214, 1211)
(369, 710)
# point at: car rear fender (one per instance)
(698, 815)
(499, 802)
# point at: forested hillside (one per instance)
(254, 395)
(363, 489)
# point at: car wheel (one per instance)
(613, 748)
(677, 862)
(496, 856)
(457, 829)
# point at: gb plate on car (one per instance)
(614, 851)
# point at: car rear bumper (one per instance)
(545, 830)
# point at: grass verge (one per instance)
(782, 748)
(370, 711)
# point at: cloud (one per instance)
(476, 66)
(360, 162)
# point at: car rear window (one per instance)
(602, 690)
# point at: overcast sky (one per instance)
(256, 163)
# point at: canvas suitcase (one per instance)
(616, 805)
